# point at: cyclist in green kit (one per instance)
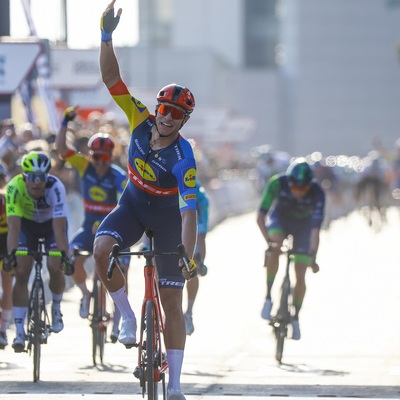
(292, 204)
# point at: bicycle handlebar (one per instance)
(148, 254)
(36, 253)
(79, 252)
(286, 248)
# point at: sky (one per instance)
(83, 21)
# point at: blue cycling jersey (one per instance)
(162, 184)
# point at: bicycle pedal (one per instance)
(138, 373)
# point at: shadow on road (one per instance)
(193, 389)
(305, 369)
(106, 368)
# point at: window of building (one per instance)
(261, 33)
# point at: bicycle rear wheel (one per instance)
(151, 351)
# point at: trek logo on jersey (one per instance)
(141, 107)
(190, 178)
(145, 170)
(97, 194)
(190, 197)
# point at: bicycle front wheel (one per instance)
(282, 321)
(98, 325)
(34, 328)
(103, 321)
(280, 333)
(151, 351)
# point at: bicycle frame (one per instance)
(38, 326)
(152, 361)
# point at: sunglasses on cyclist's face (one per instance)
(106, 157)
(176, 113)
(35, 177)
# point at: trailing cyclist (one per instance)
(35, 204)
(292, 204)
(102, 185)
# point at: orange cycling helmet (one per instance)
(101, 143)
(178, 95)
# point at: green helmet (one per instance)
(299, 173)
(35, 162)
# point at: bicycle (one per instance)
(99, 316)
(152, 361)
(38, 326)
(281, 321)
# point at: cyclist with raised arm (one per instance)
(292, 204)
(160, 195)
(102, 185)
(35, 205)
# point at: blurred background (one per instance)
(273, 79)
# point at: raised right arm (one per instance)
(109, 67)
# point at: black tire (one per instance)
(99, 321)
(280, 341)
(141, 368)
(95, 321)
(36, 331)
(282, 320)
(103, 320)
(152, 384)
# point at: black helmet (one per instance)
(299, 173)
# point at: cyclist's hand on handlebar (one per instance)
(9, 263)
(315, 267)
(190, 271)
(66, 265)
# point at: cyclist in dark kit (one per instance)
(292, 204)
(160, 195)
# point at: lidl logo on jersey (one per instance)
(190, 178)
(97, 194)
(141, 107)
(145, 170)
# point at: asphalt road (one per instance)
(350, 327)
